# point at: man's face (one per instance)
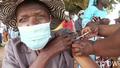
(31, 15)
(105, 3)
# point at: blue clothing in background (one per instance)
(90, 12)
(91, 3)
(14, 34)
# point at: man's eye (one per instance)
(22, 20)
(40, 17)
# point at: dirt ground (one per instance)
(1, 55)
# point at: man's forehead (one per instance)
(32, 7)
(33, 12)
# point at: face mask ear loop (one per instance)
(50, 18)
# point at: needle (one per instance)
(82, 35)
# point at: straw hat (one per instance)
(7, 10)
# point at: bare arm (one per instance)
(107, 30)
(100, 30)
(86, 62)
(109, 46)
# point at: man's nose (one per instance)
(33, 21)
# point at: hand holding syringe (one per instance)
(82, 35)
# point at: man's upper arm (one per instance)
(9, 60)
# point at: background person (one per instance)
(96, 10)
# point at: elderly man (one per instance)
(34, 47)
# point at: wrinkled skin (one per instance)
(93, 27)
(82, 47)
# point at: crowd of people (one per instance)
(38, 46)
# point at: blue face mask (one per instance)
(35, 37)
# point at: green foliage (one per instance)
(75, 5)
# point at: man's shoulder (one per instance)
(12, 43)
